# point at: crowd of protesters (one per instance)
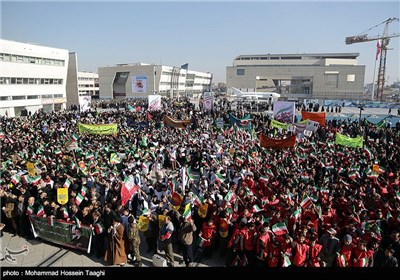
(317, 204)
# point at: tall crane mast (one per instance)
(384, 43)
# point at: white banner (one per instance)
(139, 84)
(208, 103)
(85, 102)
(154, 102)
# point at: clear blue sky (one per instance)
(208, 35)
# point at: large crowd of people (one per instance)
(317, 204)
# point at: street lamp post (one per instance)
(361, 109)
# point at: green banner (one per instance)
(348, 141)
(277, 124)
(62, 232)
(98, 128)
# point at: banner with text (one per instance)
(154, 102)
(98, 128)
(61, 232)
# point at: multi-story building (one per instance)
(88, 84)
(141, 80)
(299, 76)
(32, 77)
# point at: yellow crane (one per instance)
(382, 45)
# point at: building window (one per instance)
(351, 78)
(240, 72)
(18, 97)
(33, 96)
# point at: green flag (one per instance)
(348, 141)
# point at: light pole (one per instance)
(359, 118)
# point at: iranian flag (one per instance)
(305, 202)
(270, 173)
(40, 211)
(239, 160)
(78, 223)
(297, 214)
(398, 195)
(381, 170)
(15, 179)
(229, 196)
(29, 210)
(220, 150)
(2, 135)
(256, 209)
(75, 137)
(67, 183)
(353, 175)
(219, 178)
(84, 190)
(89, 156)
(279, 229)
(58, 152)
(364, 262)
(197, 201)
(187, 214)
(73, 166)
(342, 261)
(305, 176)
(368, 151)
(50, 221)
(65, 213)
(264, 179)
(78, 199)
(128, 190)
(286, 261)
(99, 228)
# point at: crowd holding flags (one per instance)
(251, 171)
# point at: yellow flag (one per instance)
(161, 220)
(62, 195)
(31, 169)
(202, 211)
(143, 223)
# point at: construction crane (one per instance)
(384, 43)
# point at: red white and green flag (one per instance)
(297, 214)
(270, 173)
(368, 151)
(128, 190)
(264, 179)
(197, 200)
(75, 137)
(239, 160)
(50, 221)
(219, 178)
(279, 229)
(78, 199)
(89, 156)
(342, 261)
(305, 202)
(187, 214)
(256, 209)
(40, 211)
(65, 213)
(67, 183)
(286, 261)
(99, 228)
(58, 152)
(229, 196)
(15, 179)
(78, 223)
(84, 190)
(29, 210)
(364, 262)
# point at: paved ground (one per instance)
(45, 254)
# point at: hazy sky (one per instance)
(206, 34)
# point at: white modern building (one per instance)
(88, 84)
(141, 80)
(32, 77)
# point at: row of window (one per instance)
(6, 57)
(29, 81)
(87, 79)
(23, 97)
